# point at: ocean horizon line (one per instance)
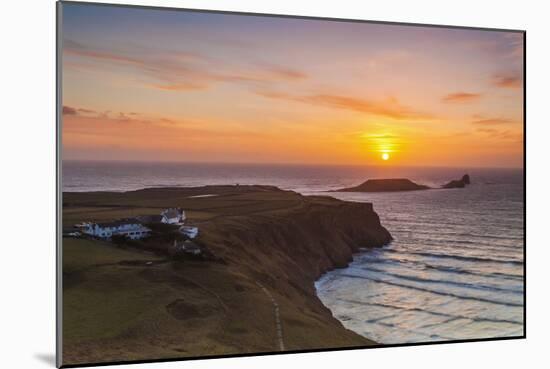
(288, 164)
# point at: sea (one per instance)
(454, 270)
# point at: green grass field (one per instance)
(130, 304)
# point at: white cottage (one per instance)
(189, 231)
(173, 216)
(130, 228)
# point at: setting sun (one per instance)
(385, 156)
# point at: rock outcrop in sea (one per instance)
(385, 185)
(458, 183)
(401, 184)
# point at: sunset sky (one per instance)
(157, 85)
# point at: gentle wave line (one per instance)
(444, 282)
(481, 299)
(453, 316)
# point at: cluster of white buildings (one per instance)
(134, 229)
(189, 231)
(130, 228)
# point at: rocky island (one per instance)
(254, 294)
(385, 185)
(400, 184)
(458, 183)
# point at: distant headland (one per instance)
(385, 185)
(400, 184)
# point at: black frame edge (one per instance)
(58, 193)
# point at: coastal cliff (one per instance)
(300, 243)
(269, 247)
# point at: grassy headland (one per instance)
(132, 304)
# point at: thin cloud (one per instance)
(86, 111)
(183, 86)
(167, 121)
(493, 121)
(390, 108)
(284, 72)
(508, 46)
(461, 97)
(502, 134)
(460, 134)
(515, 45)
(379, 137)
(507, 80)
(106, 126)
(67, 110)
(106, 115)
(136, 122)
(383, 142)
(275, 95)
(183, 71)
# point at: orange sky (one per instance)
(177, 86)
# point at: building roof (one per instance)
(188, 228)
(172, 213)
(120, 222)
